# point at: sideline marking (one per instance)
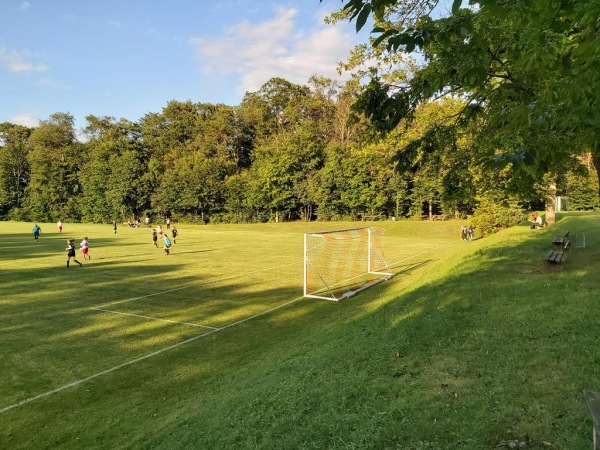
(216, 330)
(211, 280)
(141, 358)
(419, 254)
(154, 318)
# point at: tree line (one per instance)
(527, 72)
(287, 152)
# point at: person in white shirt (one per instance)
(85, 247)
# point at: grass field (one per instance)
(472, 345)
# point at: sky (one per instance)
(128, 58)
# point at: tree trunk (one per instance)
(430, 210)
(596, 161)
(550, 203)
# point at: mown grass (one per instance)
(473, 345)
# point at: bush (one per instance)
(490, 217)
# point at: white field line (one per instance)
(142, 358)
(208, 281)
(154, 318)
(147, 255)
(421, 253)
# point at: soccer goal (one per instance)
(339, 264)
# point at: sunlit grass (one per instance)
(471, 344)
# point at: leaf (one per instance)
(456, 4)
(362, 17)
(383, 36)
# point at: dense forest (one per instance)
(287, 152)
(498, 118)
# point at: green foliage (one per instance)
(288, 152)
(528, 73)
(582, 191)
(14, 168)
(491, 216)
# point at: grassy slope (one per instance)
(475, 345)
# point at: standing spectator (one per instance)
(59, 225)
(463, 232)
(71, 252)
(115, 226)
(175, 234)
(85, 247)
(147, 221)
(168, 220)
(155, 238)
(471, 232)
(36, 231)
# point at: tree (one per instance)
(53, 190)
(14, 169)
(113, 169)
(527, 70)
(281, 165)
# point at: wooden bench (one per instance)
(560, 241)
(558, 256)
(592, 399)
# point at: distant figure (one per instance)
(85, 247)
(167, 242)
(155, 238)
(463, 232)
(147, 221)
(115, 226)
(168, 222)
(36, 231)
(71, 252)
(159, 231)
(175, 234)
(471, 232)
(59, 225)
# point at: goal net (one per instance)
(338, 264)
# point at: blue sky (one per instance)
(128, 58)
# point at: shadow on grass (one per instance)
(494, 352)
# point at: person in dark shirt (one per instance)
(71, 252)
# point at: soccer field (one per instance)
(71, 334)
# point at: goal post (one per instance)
(339, 264)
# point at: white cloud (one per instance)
(114, 24)
(275, 48)
(24, 6)
(19, 61)
(26, 119)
